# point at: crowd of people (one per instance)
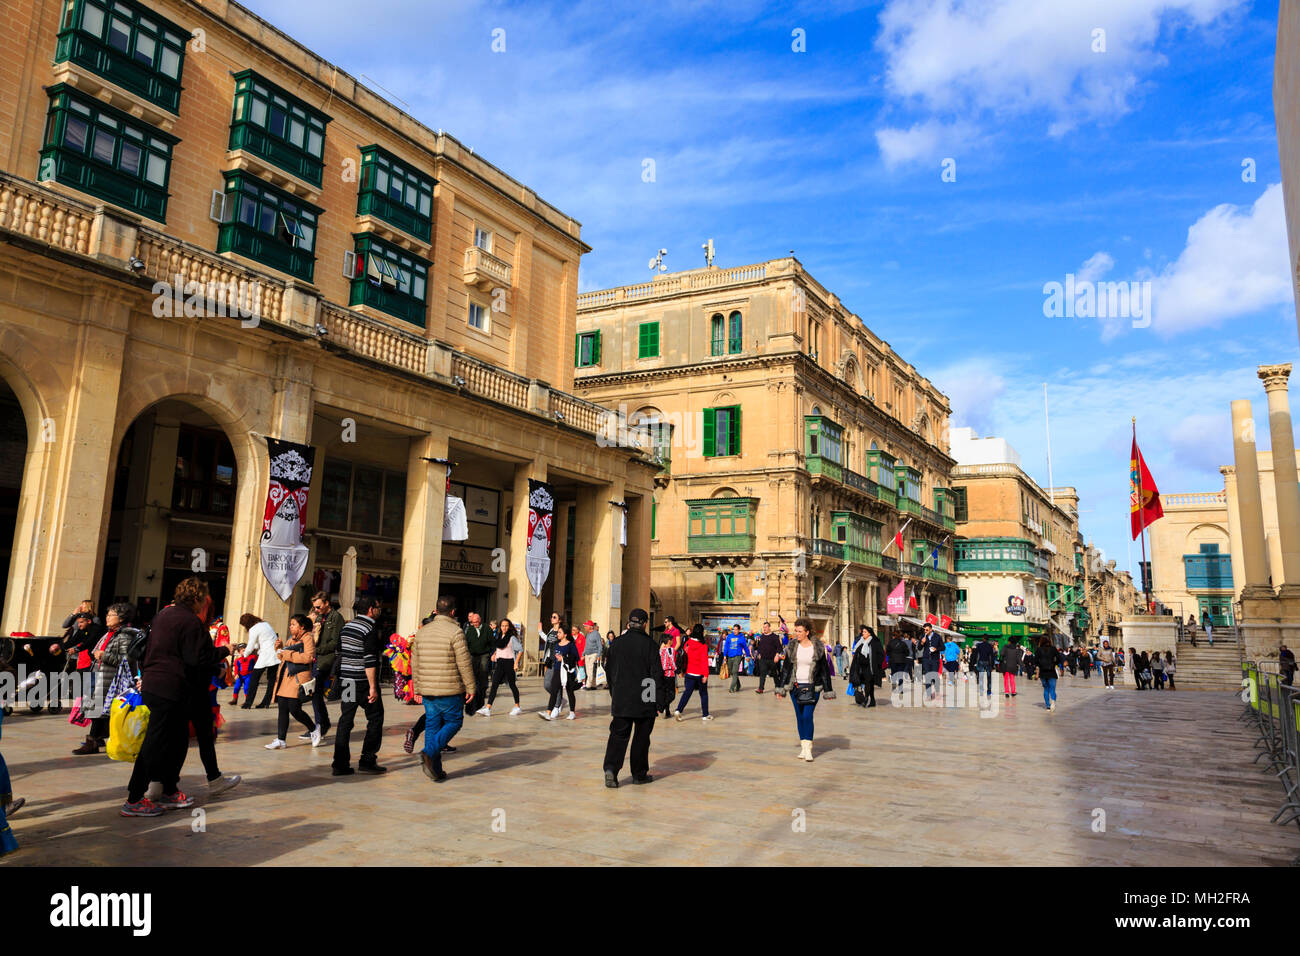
(184, 659)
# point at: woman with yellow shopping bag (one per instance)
(177, 639)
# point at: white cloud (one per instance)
(1096, 267)
(973, 389)
(1235, 263)
(962, 58)
(928, 141)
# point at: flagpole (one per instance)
(1142, 516)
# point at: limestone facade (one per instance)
(144, 414)
(1286, 110)
(794, 444)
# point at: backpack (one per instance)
(681, 658)
(139, 644)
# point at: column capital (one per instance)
(1274, 377)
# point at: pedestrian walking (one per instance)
(804, 675)
(547, 639)
(479, 641)
(985, 657)
(565, 667)
(444, 677)
(296, 658)
(734, 650)
(8, 805)
(1157, 671)
(898, 653)
(1170, 667)
(867, 669)
(504, 662)
(1208, 623)
(358, 667)
(768, 651)
(329, 624)
(592, 651)
(696, 667)
(1189, 629)
(262, 647)
(177, 639)
(933, 653)
(1012, 655)
(107, 655)
(1048, 660)
(635, 671)
(1106, 659)
(668, 663)
(1085, 662)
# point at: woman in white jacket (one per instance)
(265, 645)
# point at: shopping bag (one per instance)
(127, 723)
(78, 716)
(600, 675)
(582, 673)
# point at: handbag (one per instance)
(77, 715)
(804, 693)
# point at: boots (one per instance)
(805, 750)
(91, 746)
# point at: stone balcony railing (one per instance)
(1200, 499)
(485, 270)
(51, 219)
(682, 282)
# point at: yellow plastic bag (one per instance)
(126, 726)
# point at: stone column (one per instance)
(636, 556)
(524, 606)
(148, 492)
(559, 557)
(1284, 470)
(426, 499)
(598, 559)
(1253, 555)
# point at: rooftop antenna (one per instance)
(657, 263)
(708, 253)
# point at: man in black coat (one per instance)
(634, 671)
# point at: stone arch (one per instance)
(725, 492)
(850, 371)
(723, 398)
(1207, 532)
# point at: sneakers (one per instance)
(277, 744)
(545, 715)
(516, 711)
(222, 784)
(432, 770)
(1053, 707)
(707, 717)
(15, 806)
(555, 714)
(408, 742)
(571, 716)
(174, 801)
(144, 807)
(677, 715)
(315, 737)
(484, 711)
(306, 735)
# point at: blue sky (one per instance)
(1122, 164)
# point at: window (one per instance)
(394, 192)
(278, 127)
(204, 481)
(269, 226)
(362, 499)
(586, 349)
(720, 524)
(725, 586)
(814, 339)
(126, 44)
(960, 511)
(390, 279)
(717, 335)
(734, 338)
(654, 517)
(823, 438)
(478, 317)
(483, 239)
(104, 152)
(648, 340)
(722, 431)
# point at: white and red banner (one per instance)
(896, 603)
(541, 508)
(284, 556)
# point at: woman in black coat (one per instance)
(867, 670)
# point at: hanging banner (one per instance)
(622, 538)
(455, 524)
(537, 561)
(284, 556)
(895, 603)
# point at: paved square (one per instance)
(1172, 771)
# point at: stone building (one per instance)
(794, 444)
(1286, 113)
(1019, 555)
(214, 237)
(1192, 556)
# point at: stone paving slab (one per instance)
(889, 786)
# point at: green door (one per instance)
(1220, 610)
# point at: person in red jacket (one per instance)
(697, 672)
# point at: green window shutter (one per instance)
(577, 349)
(717, 331)
(733, 431)
(595, 350)
(710, 432)
(734, 337)
(654, 515)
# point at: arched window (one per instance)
(817, 410)
(734, 337)
(717, 334)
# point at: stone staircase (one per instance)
(1209, 668)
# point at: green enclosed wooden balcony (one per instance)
(716, 525)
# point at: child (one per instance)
(243, 674)
(668, 688)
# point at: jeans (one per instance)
(292, 708)
(322, 672)
(898, 673)
(1049, 690)
(764, 668)
(1008, 682)
(733, 665)
(162, 753)
(503, 671)
(1108, 674)
(984, 678)
(355, 694)
(443, 718)
(803, 714)
(694, 683)
(620, 730)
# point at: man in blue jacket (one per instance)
(735, 649)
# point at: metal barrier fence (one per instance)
(1275, 707)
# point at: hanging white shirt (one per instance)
(455, 526)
